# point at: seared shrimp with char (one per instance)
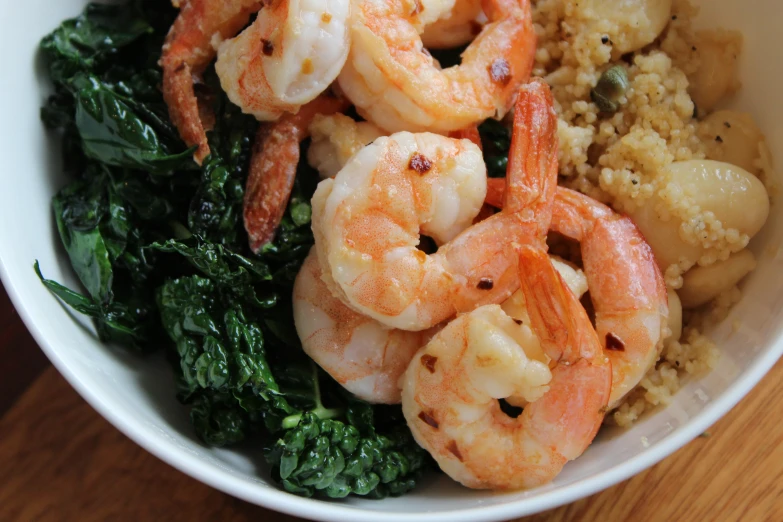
(452, 386)
(368, 220)
(397, 85)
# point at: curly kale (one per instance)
(159, 247)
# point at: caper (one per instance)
(610, 89)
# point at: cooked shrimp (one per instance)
(361, 354)
(335, 139)
(273, 168)
(367, 221)
(398, 86)
(626, 286)
(188, 49)
(291, 53)
(458, 26)
(451, 388)
(625, 283)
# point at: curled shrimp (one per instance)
(291, 53)
(273, 168)
(365, 357)
(188, 50)
(625, 283)
(626, 286)
(451, 388)
(398, 86)
(367, 221)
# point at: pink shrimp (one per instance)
(625, 283)
(358, 352)
(372, 255)
(626, 286)
(451, 388)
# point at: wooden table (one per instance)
(60, 461)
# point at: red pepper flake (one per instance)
(518, 321)
(268, 47)
(614, 343)
(452, 447)
(419, 163)
(429, 362)
(429, 420)
(500, 71)
(485, 283)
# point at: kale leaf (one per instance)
(90, 39)
(114, 134)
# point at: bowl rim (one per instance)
(315, 509)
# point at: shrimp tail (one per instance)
(273, 168)
(532, 161)
(187, 51)
(180, 96)
(562, 326)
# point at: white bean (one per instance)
(639, 22)
(736, 198)
(732, 137)
(704, 283)
(675, 315)
(716, 76)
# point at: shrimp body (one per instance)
(361, 354)
(290, 54)
(188, 50)
(398, 86)
(626, 286)
(451, 388)
(374, 210)
(367, 221)
(625, 283)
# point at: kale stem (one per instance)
(316, 387)
(319, 411)
(322, 413)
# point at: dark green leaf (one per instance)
(114, 134)
(93, 36)
(85, 246)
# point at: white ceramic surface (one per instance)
(137, 396)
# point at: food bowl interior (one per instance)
(137, 394)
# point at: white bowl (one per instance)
(137, 395)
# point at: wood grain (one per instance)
(22, 360)
(60, 461)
